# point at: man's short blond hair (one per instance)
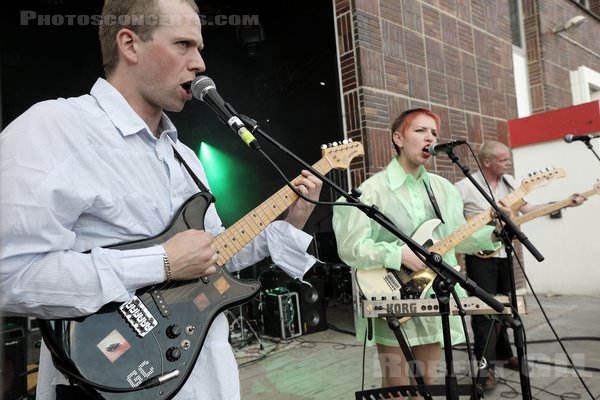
(487, 149)
(128, 14)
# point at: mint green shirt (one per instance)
(363, 243)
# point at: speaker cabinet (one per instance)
(312, 305)
(33, 343)
(13, 370)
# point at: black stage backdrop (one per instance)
(274, 61)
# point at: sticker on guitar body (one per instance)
(113, 346)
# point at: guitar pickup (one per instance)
(138, 316)
(160, 302)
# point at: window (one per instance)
(585, 85)
(520, 70)
(583, 3)
(516, 23)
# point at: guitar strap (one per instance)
(434, 202)
(196, 180)
(504, 180)
(507, 183)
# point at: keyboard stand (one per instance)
(413, 366)
(451, 390)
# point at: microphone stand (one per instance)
(589, 146)
(509, 232)
(447, 276)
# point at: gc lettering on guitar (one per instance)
(153, 341)
(406, 284)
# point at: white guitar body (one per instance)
(389, 284)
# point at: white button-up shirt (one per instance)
(86, 172)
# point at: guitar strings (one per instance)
(230, 245)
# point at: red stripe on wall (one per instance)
(551, 125)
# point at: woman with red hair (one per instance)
(409, 196)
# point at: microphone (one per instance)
(584, 138)
(438, 148)
(203, 88)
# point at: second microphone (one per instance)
(439, 148)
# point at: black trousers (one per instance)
(490, 274)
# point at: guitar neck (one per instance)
(550, 208)
(473, 225)
(455, 238)
(243, 231)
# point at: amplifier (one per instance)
(312, 305)
(281, 313)
(33, 343)
(13, 371)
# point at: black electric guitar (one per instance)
(152, 342)
(384, 283)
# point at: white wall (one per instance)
(570, 245)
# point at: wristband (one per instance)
(167, 267)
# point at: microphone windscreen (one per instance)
(200, 85)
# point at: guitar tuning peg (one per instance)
(335, 144)
(345, 141)
(323, 146)
(350, 140)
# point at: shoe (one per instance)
(511, 363)
(490, 381)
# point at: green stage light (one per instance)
(228, 178)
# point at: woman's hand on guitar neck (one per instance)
(411, 261)
(192, 254)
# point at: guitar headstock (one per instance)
(339, 155)
(541, 178)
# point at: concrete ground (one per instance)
(331, 364)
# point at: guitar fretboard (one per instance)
(455, 238)
(232, 240)
(550, 208)
(473, 225)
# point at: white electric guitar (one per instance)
(390, 284)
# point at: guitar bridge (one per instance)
(138, 316)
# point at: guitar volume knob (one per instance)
(173, 354)
(173, 331)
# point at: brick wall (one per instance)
(551, 57)
(453, 57)
(595, 7)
